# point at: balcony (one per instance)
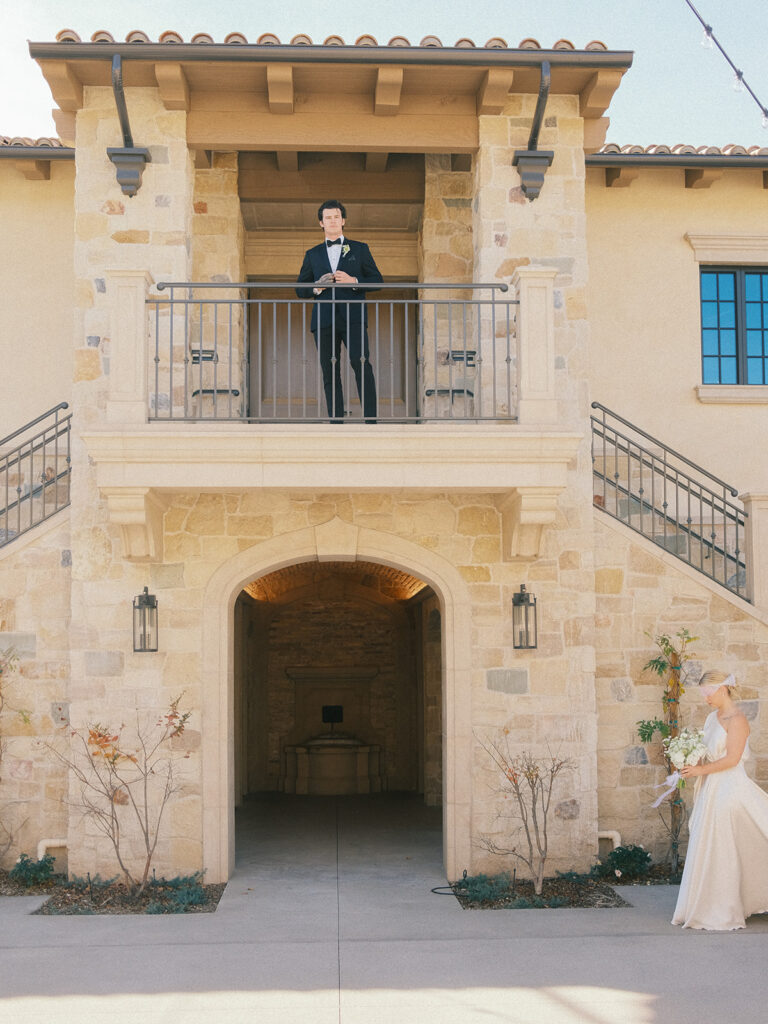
(247, 354)
(220, 388)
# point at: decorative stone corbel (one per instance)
(139, 514)
(524, 514)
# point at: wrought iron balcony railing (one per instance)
(246, 352)
(668, 499)
(35, 465)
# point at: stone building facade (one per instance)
(299, 566)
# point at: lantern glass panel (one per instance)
(145, 622)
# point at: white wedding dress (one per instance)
(725, 878)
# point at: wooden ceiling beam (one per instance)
(389, 86)
(597, 94)
(287, 161)
(65, 125)
(66, 88)
(376, 163)
(260, 180)
(447, 132)
(173, 85)
(34, 170)
(492, 94)
(280, 88)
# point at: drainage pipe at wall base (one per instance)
(45, 844)
(615, 838)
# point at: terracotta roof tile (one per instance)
(68, 35)
(681, 149)
(43, 142)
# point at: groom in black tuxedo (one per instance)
(340, 261)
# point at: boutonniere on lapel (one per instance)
(345, 250)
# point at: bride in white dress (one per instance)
(725, 878)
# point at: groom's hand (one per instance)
(324, 280)
(342, 277)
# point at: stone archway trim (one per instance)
(335, 540)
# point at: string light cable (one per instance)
(739, 81)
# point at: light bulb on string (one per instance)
(706, 39)
(765, 119)
(738, 82)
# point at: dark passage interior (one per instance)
(338, 683)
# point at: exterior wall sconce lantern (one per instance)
(524, 625)
(145, 622)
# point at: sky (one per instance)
(676, 91)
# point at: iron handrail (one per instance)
(662, 445)
(651, 462)
(34, 422)
(378, 285)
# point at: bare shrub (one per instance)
(530, 780)
(121, 778)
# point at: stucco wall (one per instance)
(644, 312)
(36, 268)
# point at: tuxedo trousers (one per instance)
(329, 341)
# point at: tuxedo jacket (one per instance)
(350, 301)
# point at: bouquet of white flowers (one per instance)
(686, 748)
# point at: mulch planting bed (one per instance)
(114, 898)
(500, 893)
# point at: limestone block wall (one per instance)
(147, 233)
(217, 255)
(640, 590)
(546, 696)
(511, 232)
(35, 621)
(445, 252)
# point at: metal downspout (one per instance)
(532, 163)
(129, 160)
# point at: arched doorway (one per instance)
(338, 680)
(334, 541)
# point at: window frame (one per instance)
(739, 273)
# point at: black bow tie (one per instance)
(335, 241)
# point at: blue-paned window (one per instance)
(734, 325)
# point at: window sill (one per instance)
(732, 394)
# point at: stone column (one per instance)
(535, 344)
(510, 232)
(120, 245)
(540, 247)
(756, 548)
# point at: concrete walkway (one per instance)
(329, 919)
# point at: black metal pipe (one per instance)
(675, 160)
(37, 153)
(122, 109)
(544, 85)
